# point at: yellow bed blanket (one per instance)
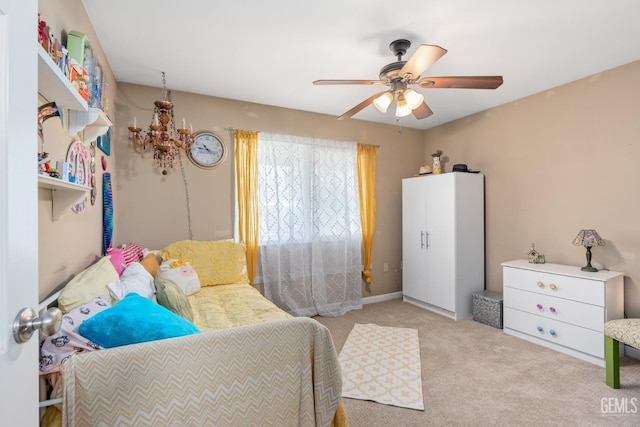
(229, 306)
(251, 375)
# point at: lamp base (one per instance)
(589, 268)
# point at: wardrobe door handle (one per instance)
(422, 240)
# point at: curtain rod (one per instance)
(230, 129)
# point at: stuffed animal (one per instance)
(43, 36)
(44, 163)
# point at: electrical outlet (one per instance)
(385, 267)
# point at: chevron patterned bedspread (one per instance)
(278, 373)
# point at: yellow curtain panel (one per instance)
(246, 143)
(367, 191)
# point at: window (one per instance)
(307, 191)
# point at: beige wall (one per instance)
(556, 162)
(152, 209)
(74, 241)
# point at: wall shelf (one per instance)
(64, 194)
(54, 86)
(94, 122)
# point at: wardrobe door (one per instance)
(440, 229)
(414, 238)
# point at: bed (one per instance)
(240, 360)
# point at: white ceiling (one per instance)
(270, 52)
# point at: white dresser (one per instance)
(561, 306)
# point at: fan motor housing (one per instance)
(391, 71)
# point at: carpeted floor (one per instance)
(476, 375)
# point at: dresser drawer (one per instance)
(573, 288)
(576, 313)
(560, 333)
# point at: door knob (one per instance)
(27, 322)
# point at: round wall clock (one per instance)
(207, 151)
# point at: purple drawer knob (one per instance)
(539, 306)
(553, 310)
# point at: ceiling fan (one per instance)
(399, 75)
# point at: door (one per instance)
(18, 207)
(414, 238)
(441, 238)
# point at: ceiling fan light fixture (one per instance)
(402, 110)
(398, 75)
(413, 98)
(383, 101)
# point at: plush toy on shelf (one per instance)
(43, 34)
(44, 163)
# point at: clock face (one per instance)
(207, 150)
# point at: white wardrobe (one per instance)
(443, 242)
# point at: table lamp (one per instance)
(588, 239)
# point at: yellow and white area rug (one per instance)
(382, 364)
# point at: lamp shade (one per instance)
(588, 239)
(402, 110)
(383, 101)
(413, 98)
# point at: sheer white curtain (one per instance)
(310, 258)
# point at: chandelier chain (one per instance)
(186, 192)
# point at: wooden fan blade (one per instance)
(360, 106)
(349, 82)
(460, 82)
(423, 58)
(422, 112)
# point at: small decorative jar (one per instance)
(436, 162)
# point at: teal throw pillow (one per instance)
(134, 319)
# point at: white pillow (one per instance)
(181, 273)
(134, 278)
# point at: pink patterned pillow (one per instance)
(132, 253)
(56, 349)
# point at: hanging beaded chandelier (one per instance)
(162, 135)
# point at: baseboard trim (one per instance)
(381, 298)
